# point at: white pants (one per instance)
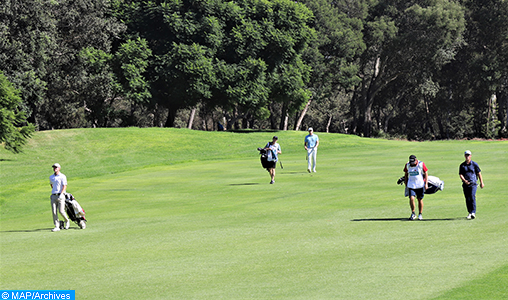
(58, 205)
(311, 158)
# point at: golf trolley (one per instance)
(74, 211)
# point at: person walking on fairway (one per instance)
(58, 182)
(469, 172)
(273, 150)
(311, 144)
(416, 181)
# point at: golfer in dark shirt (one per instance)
(469, 172)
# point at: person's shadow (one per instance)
(35, 230)
(404, 219)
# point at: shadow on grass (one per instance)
(38, 230)
(247, 183)
(28, 230)
(293, 172)
(405, 219)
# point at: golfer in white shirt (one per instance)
(58, 182)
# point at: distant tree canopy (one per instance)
(422, 69)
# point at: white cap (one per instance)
(310, 129)
(467, 152)
(56, 165)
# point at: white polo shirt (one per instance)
(58, 182)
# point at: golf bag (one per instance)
(74, 211)
(264, 157)
(435, 184)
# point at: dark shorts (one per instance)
(418, 193)
(268, 164)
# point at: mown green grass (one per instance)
(179, 214)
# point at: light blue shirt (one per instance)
(311, 140)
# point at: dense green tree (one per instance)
(40, 42)
(477, 80)
(27, 45)
(222, 54)
(333, 57)
(14, 130)
(99, 98)
(282, 34)
(116, 88)
(421, 69)
(405, 41)
(80, 24)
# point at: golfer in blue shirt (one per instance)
(469, 172)
(311, 144)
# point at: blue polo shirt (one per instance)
(469, 171)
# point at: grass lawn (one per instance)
(180, 214)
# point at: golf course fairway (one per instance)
(181, 214)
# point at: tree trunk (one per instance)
(506, 114)
(429, 128)
(235, 116)
(304, 111)
(369, 100)
(191, 118)
(273, 122)
(392, 112)
(170, 121)
(329, 123)
(284, 117)
(367, 120)
(376, 83)
(355, 111)
(491, 116)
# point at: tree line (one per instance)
(421, 70)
